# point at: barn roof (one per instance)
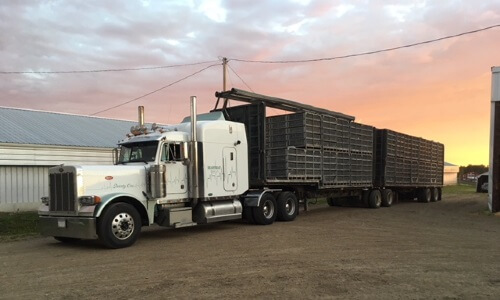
(21, 126)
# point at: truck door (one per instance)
(229, 169)
(176, 171)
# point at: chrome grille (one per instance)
(62, 191)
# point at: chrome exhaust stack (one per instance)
(141, 116)
(140, 128)
(194, 167)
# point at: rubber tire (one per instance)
(387, 197)
(424, 195)
(66, 240)
(434, 194)
(375, 199)
(440, 194)
(331, 201)
(104, 225)
(258, 211)
(281, 202)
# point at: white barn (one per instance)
(32, 141)
(450, 174)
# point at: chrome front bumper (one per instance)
(75, 227)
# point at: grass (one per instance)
(459, 189)
(16, 226)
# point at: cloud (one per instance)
(409, 90)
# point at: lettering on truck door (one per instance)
(229, 169)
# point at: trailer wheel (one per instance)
(439, 194)
(424, 195)
(434, 194)
(331, 201)
(387, 198)
(287, 205)
(119, 226)
(265, 213)
(66, 240)
(375, 199)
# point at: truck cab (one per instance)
(178, 175)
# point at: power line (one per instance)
(239, 77)
(365, 53)
(157, 90)
(105, 70)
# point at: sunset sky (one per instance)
(439, 91)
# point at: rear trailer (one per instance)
(408, 165)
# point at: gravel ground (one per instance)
(448, 249)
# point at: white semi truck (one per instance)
(179, 175)
(206, 169)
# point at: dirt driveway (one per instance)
(448, 249)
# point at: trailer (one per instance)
(320, 153)
(237, 162)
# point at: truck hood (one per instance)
(119, 179)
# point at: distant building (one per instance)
(32, 141)
(450, 176)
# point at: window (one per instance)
(171, 152)
(138, 152)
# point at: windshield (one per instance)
(138, 152)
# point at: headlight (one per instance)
(90, 200)
(45, 200)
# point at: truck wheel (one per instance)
(375, 199)
(287, 205)
(265, 213)
(66, 240)
(330, 201)
(434, 194)
(424, 195)
(387, 198)
(439, 194)
(119, 226)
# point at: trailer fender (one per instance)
(252, 198)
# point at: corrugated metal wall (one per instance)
(19, 184)
(35, 155)
(24, 170)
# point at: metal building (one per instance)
(450, 175)
(32, 141)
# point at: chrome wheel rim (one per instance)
(122, 226)
(389, 199)
(290, 206)
(268, 209)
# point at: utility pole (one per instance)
(224, 73)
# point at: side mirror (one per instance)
(184, 153)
